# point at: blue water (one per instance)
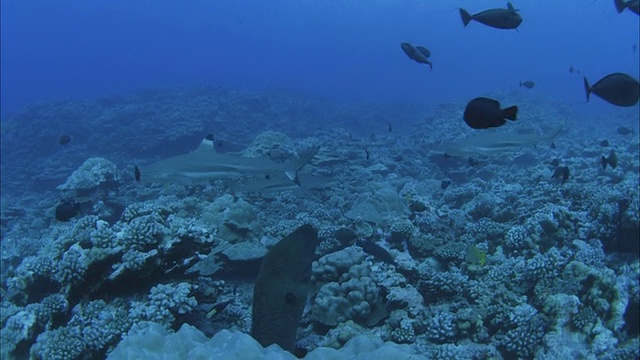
(515, 242)
(345, 49)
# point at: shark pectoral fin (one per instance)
(292, 171)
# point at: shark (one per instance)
(496, 143)
(204, 164)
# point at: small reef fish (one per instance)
(376, 251)
(604, 143)
(612, 160)
(623, 130)
(561, 172)
(473, 255)
(67, 210)
(484, 113)
(495, 144)
(633, 5)
(617, 89)
(528, 84)
(64, 139)
(218, 308)
(418, 54)
(496, 18)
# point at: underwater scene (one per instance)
(280, 179)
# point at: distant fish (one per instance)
(612, 160)
(571, 69)
(67, 210)
(484, 113)
(418, 54)
(473, 255)
(389, 127)
(136, 173)
(496, 18)
(623, 130)
(445, 184)
(555, 162)
(633, 5)
(64, 139)
(561, 172)
(376, 251)
(604, 143)
(528, 84)
(617, 89)
(218, 308)
(473, 162)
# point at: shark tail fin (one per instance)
(292, 171)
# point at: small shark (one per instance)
(495, 143)
(204, 164)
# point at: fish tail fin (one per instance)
(430, 65)
(587, 88)
(296, 165)
(466, 17)
(620, 5)
(510, 112)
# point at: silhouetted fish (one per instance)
(617, 89)
(612, 160)
(484, 113)
(417, 54)
(64, 139)
(528, 84)
(67, 210)
(445, 184)
(604, 143)
(497, 18)
(623, 130)
(633, 5)
(561, 172)
(570, 69)
(376, 251)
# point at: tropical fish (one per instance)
(561, 172)
(67, 210)
(612, 160)
(617, 89)
(528, 84)
(473, 255)
(64, 139)
(376, 251)
(633, 5)
(484, 113)
(497, 18)
(623, 130)
(489, 144)
(218, 308)
(204, 164)
(418, 54)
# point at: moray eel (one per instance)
(281, 289)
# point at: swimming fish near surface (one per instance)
(204, 164)
(491, 144)
(484, 113)
(496, 18)
(617, 89)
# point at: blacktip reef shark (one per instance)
(204, 164)
(496, 143)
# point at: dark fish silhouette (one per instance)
(612, 160)
(497, 18)
(418, 54)
(528, 84)
(561, 172)
(570, 69)
(64, 139)
(633, 5)
(617, 89)
(445, 184)
(484, 113)
(136, 173)
(376, 251)
(623, 130)
(67, 210)
(555, 162)
(604, 143)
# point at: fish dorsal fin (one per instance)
(205, 147)
(511, 8)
